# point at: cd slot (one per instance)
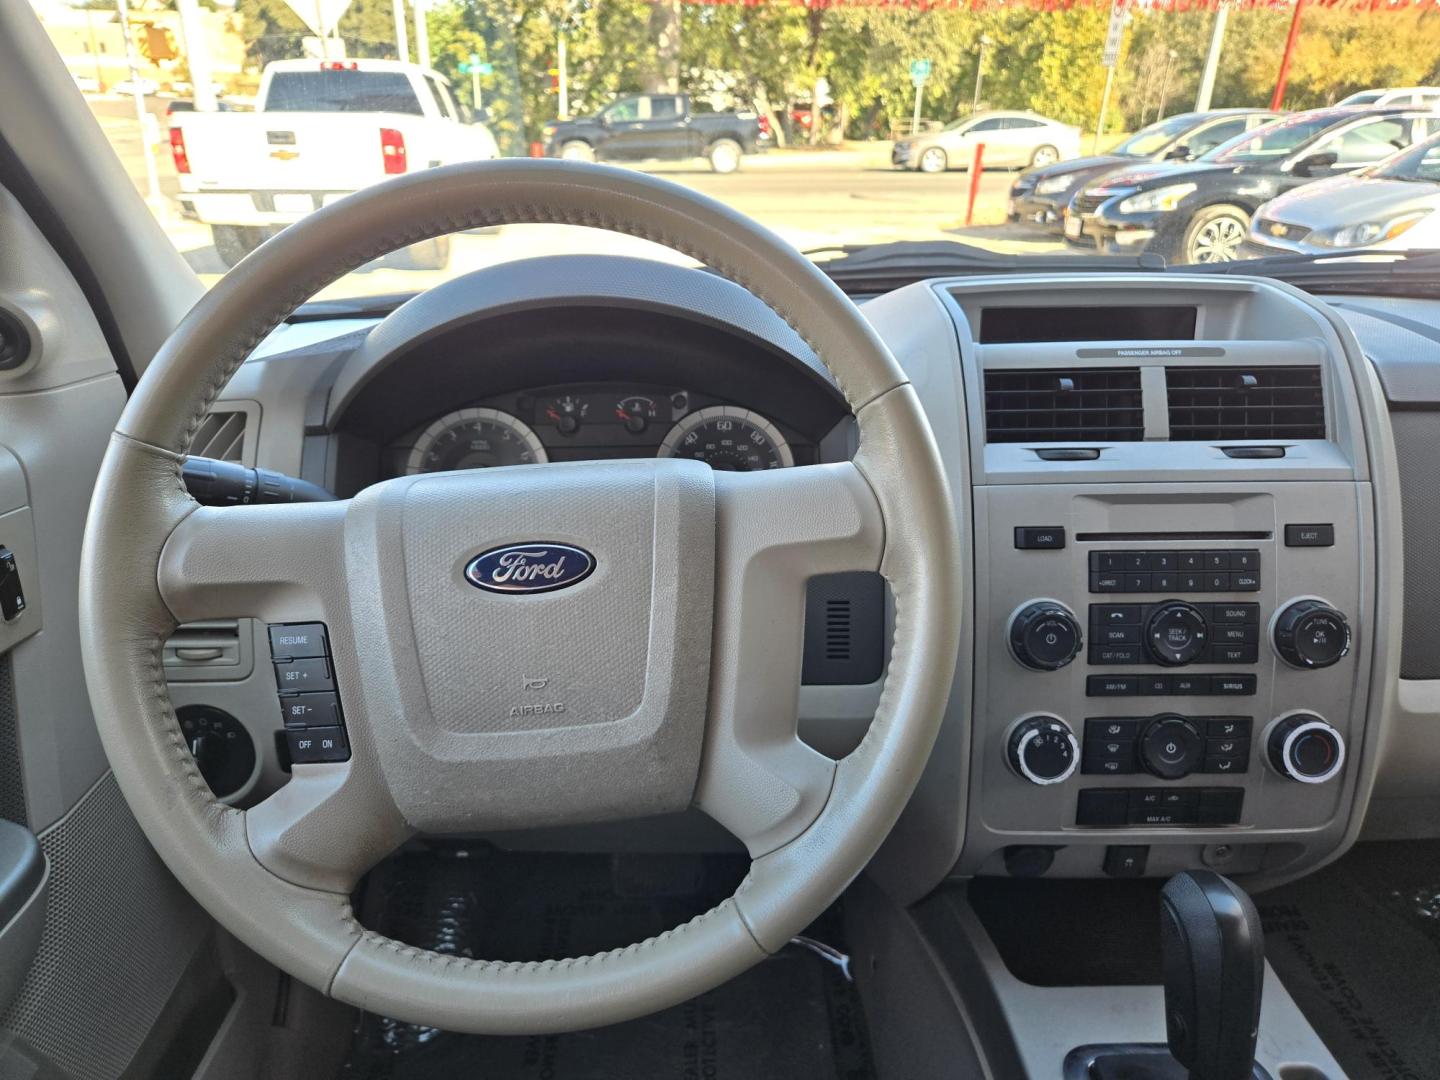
(1198, 537)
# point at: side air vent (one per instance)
(1089, 405)
(222, 436)
(1217, 403)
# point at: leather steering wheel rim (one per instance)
(278, 876)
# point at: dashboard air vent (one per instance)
(1217, 403)
(1089, 405)
(221, 436)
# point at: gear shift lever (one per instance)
(1214, 963)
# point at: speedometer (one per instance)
(730, 439)
(475, 439)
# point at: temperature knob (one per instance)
(1176, 633)
(1305, 748)
(1311, 634)
(1043, 750)
(1045, 635)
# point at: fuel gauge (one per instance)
(566, 413)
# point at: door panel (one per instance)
(118, 931)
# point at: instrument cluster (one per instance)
(599, 420)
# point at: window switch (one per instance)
(12, 596)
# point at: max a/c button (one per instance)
(1039, 537)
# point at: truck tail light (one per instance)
(764, 122)
(177, 150)
(392, 149)
(339, 65)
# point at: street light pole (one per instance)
(152, 176)
(1165, 84)
(985, 42)
(422, 34)
(562, 77)
(402, 36)
(1212, 59)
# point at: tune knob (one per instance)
(1311, 634)
(1045, 635)
(1171, 747)
(1043, 750)
(1176, 633)
(1305, 748)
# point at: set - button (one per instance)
(309, 699)
(1174, 571)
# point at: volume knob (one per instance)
(1045, 635)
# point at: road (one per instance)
(814, 199)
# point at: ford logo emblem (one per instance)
(529, 568)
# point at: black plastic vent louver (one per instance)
(1090, 405)
(1217, 403)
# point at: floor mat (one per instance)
(1358, 946)
(793, 1016)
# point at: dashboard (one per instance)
(578, 422)
(1195, 629)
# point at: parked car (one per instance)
(1391, 207)
(1428, 96)
(1011, 139)
(187, 105)
(656, 127)
(148, 87)
(1200, 211)
(1040, 195)
(320, 130)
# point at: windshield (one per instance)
(1156, 137)
(800, 116)
(1273, 141)
(1421, 162)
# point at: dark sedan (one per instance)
(1041, 195)
(1200, 212)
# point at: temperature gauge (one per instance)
(636, 412)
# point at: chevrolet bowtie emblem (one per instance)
(1277, 229)
(284, 155)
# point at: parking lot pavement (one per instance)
(815, 198)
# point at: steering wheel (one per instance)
(674, 664)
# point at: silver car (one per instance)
(1012, 140)
(1392, 205)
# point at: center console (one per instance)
(1176, 578)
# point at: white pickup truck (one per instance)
(320, 130)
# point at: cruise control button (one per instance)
(317, 744)
(310, 710)
(298, 641)
(304, 675)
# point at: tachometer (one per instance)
(475, 439)
(730, 439)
